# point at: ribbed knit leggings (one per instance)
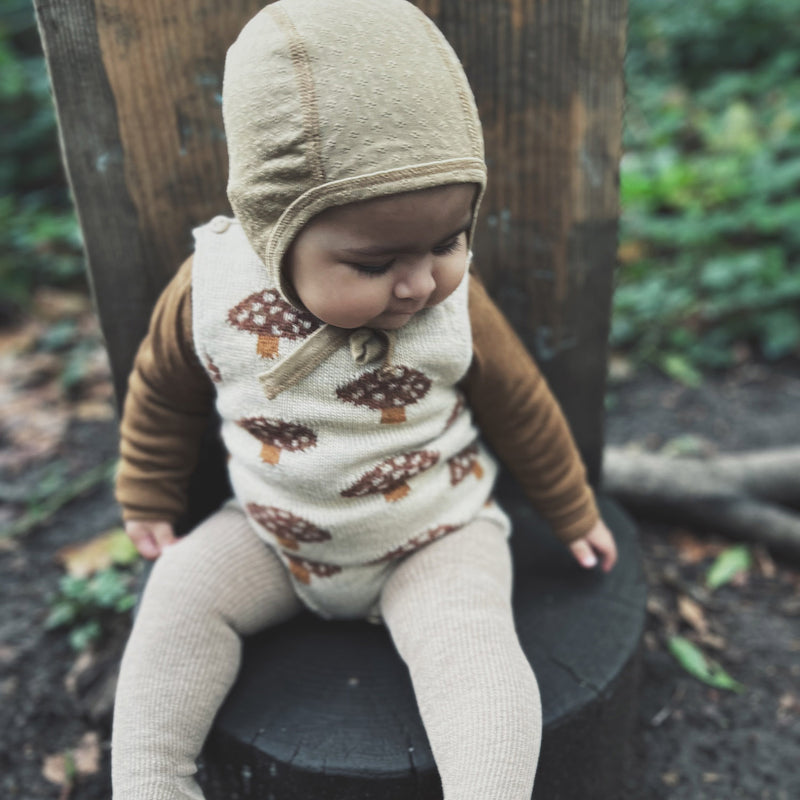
(447, 607)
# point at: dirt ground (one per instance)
(692, 741)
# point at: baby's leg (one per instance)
(217, 584)
(448, 607)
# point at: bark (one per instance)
(750, 496)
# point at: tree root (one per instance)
(753, 497)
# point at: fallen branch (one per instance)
(752, 497)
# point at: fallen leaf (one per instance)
(692, 613)
(692, 659)
(631, 251)
(94, 411)
(788, 705)
(84, 559)
(713, 640)
(58, 769)
(670, 778)
(728, 564)
(711, 777)
(87, 754)
(85, 661)
(84, 759)
(54, 304)
(690, 549)
(19, 340)
(764, 561)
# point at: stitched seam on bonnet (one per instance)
(308, 98)
(371, 180)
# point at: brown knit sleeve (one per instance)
(166, 411)
(523, 423)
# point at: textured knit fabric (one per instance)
(327, 103)
(170, 398)
(218, 584)
(357, 463)
(447, 608)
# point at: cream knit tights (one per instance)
(447, 607)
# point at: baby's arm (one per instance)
(521, 420)
(167, 410)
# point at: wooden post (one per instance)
(548, 80)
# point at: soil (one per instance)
(693, 741)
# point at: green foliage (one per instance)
(710, 182)
(39, 236)
(691, 658)
(87, 606)
(727, 565)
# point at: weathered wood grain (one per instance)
(548, 80)
(137, 88)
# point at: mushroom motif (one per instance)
(390, 476)
(457, 408)
(272, 318)
(276, 435)
(388, 390)
(416, 542)
(463, 464)
(288, 529)
(303, 569)
(213, 370)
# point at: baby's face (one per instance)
(378, 262)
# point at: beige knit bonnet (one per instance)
(328, 102)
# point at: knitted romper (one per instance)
(366, 458)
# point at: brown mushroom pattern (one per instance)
(463, 464)
(416, 542)
(303, 568)
(272, 318)
(290, 530)
(388, 390)
(457, 408)
(390, 477)
(213, 370)
(277, 435)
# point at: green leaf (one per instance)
(107, 587)
(681, 369)
(80, 638)
(728, 563)
(691, 658)
(125, 603)
(123, 550)
(62, 613)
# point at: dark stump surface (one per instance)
(326, 709)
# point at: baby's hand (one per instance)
(599, 540)
(150, 536)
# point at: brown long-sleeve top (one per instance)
(170, 399)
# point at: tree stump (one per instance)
(326, 709)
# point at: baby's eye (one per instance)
(373, 270)
(448, 248)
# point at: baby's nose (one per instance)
(417, 282)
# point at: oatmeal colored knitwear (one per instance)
(327, 103)
(368, 457)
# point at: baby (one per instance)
(353, 360)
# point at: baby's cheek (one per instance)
(448, 280)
